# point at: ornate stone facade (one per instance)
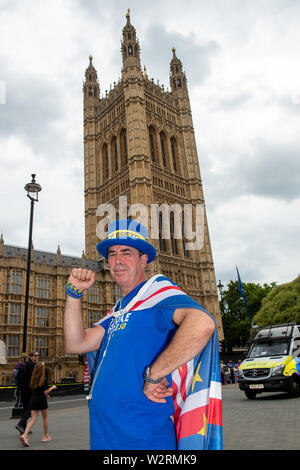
(139, 148)
(139, 144)
(49, 272)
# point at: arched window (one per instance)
(174, 149)
(123, 147)
(164, 149)
(162, 241)
(114, 153)
(153, 144)
(105, 161)
(172, 236)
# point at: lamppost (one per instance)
(33, 190)
(220, 287)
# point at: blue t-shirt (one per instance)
(121, 416)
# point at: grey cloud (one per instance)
(235, 100)
(274, 171)
(271, 169)
(33, 104)
(196, 58)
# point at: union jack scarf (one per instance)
(196, 385)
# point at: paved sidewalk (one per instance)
(69, 429)
(271, 422)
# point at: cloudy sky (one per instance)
(241, 58)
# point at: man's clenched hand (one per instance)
(82, 278)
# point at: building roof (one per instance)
(10, 251)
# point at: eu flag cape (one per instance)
(196, 385)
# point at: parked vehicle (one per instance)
(273, 361)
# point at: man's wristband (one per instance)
(148, 379)
(73, 291)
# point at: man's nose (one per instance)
(118, 258)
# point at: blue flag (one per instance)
(240, 288)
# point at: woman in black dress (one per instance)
(38, 402)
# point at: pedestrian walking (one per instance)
(231, 367)
(17, 394)
(38, 402)
(23, 388)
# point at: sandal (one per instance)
(24, 441)
(47, 439)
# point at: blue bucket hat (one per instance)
(129, 233)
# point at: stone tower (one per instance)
(141, 159)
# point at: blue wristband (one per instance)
(73, 291)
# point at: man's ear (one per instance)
(144, 258)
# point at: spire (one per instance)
(130, 46)
(91, 86)
(177, 76)
(1, 245)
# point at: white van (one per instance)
(273, 361)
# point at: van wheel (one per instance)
(294, 389)
(250, 394)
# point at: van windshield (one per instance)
(269, 348)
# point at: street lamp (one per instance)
(33, 190)
(220, 287)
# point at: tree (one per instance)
(236, 323)
(281, 305)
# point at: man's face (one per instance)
(127, 266)
(35, 357)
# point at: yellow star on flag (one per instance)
(202, 431)
(197, 377)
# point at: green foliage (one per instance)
(281, 305)
(236, 322)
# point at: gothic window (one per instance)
(94, 317)
(105, 161)
(12, 344)
(164, 149)
(116, 293)
(123, 147)
(43, 288)
(90, 91)
(94, 294)
(12, 314)
(14, 282)
(130, 49)
(41, 317)
(114, 153)
(174, 149)
(162, 241)
(173, 241)
(153, 145)
(41, 345)
(179, 82)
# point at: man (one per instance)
(137, 347)
(23, 381)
